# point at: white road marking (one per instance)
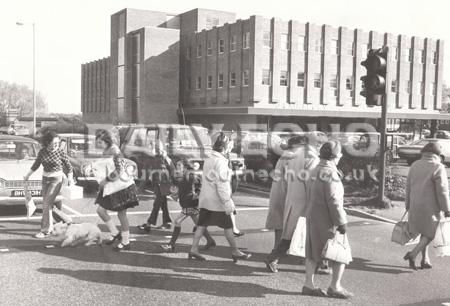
(6, 219)
(50, 246)
(73, 211)
(4, 250)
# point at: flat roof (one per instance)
(311, 113)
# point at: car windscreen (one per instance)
(84, 147)
(17, 150)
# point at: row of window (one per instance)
(220, 80)
(220, 46)
(302, 46)
(335, 47)
(301, 81)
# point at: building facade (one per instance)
(206, 67)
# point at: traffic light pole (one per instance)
(382, 162)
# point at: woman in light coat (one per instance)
(426, 196)
(215, 202)
(324, 216)
(277, 197)
(303, 159)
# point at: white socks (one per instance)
(125, 237)
(111, 227)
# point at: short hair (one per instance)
(221, 142)
(330, 150)
(47, 136)
(432, 147)
(104, 135)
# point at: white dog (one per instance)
(74, 234)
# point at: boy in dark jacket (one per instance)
(189, 185)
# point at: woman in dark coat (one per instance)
(324, 216)
(162, 168)
(426, 196)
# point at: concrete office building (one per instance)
(206, 67)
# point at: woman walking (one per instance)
(118, 201)
(55, 163)
(215, 202)
(161, 170)
(426, 196)
(188, 191)
(299, 164)
(324, 216)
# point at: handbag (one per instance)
(338, 249)
(401, 234)
(298, 242)
(441, 242)
(116, 183)
(29, 202)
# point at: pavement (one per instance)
(389, 215)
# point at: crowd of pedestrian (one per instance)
(307, 184)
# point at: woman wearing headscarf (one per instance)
(426, 196)
(215, 202)
(298, 162)
(324, 216)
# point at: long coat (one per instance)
(299, 170)
(426, 195)
(325, 208)
(278, 193)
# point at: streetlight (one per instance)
(34, 76)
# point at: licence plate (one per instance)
(21, 193)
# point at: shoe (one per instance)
(271, 265)
(339, 294)
(313, 292)
(238, 234)
(42, 235)
(168, 248)
(425, 265)
(194, 229)
(167, 225)
(196, 256)
(144, 227)
(122, 247)
(208, 245)
(114, 238)
(244, 256)
(412, 264)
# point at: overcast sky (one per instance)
(69, 33)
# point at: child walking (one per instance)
(188, 191)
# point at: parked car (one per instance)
(411, 152)
(17, 154)
(179, 141)
(82, 152)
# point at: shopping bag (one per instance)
(338, 249)
(401, 234)
(72, 192)
(104, 169)
(441, 242)
(29, 202)
(298, 241)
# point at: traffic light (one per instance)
(374, 82)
